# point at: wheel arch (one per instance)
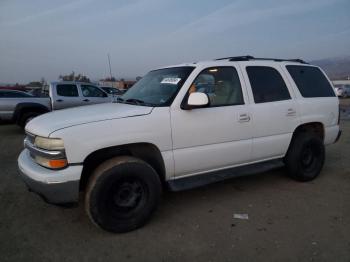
(22, 108)
(312, 127)
(147, 152)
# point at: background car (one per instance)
(13, 93)
(20, 107)
(66, 94)
(342, 90)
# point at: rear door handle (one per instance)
(59, 100)
(244, 118)
(86, 100)
(291, 112)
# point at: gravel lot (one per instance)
(288, 220)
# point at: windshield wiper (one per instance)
(136, 101)
(133, 101)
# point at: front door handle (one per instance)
(291, 112)
(59, 100)
(86, 100)
(244, 118)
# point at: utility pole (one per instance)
(110, 69)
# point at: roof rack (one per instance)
(249, 57)
(237, 58)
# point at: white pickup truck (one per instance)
(20, 107)
(179, 127)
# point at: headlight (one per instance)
(47, 152)
(49, 143)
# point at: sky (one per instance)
(41, 38)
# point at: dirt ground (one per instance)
(288, 220)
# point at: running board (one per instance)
(190, 182)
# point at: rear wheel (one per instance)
(122, 194)
(305, 157)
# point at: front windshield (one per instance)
(158, 87)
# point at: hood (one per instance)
(45, 124)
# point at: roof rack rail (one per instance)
(249, 57)
(237, 58)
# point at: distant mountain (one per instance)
(336, 68)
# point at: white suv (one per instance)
(179, 127)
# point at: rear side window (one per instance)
(310, 81)
(67, 90)
(19, 94)
(267, 84)
(4, 94)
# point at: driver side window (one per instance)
(91, 91)
(221, 84)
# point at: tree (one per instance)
(73, 77)
(109, 79)
(34, 84)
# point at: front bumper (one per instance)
(55, 186)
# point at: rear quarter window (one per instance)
(310, 81)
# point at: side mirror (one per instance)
(197, 100)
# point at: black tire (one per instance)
(122, 194)
(305, 157)
(26, 117)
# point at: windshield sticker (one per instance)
(171, 80)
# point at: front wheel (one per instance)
(122, 194)
(305, 157)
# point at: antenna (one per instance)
(110, 69)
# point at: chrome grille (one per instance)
(30, 137)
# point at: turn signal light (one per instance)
(57, 163)
(51, 163)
